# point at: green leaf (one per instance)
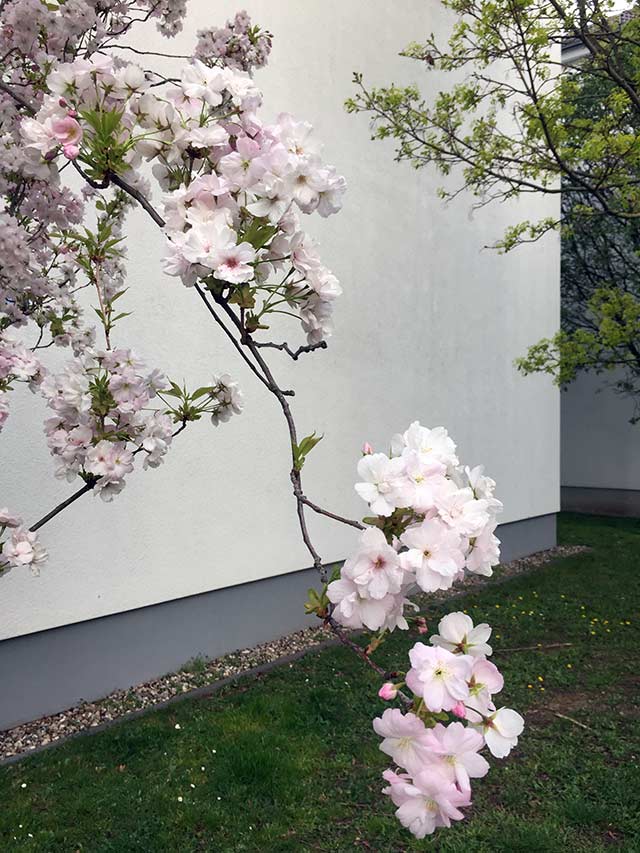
(301, 450)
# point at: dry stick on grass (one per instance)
(536, 648)
(571, 720)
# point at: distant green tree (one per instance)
(522, 122)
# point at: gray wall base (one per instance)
(601, 501)
(49, 671)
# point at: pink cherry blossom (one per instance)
(430, 444)
(356, 611)
(24, 549)
(66, 130)
(7, 519)
(501, 730)
(458, 634)
(434, 554)
(453, 749)
(405, 738)
(375, 567)
(384, 485)
(485, 681)
(427, 801)
(234, 263)
(438, 676)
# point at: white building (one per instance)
(203, 555)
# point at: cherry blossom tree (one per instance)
(235, 188)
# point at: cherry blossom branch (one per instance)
(350, 521)
(344, 638)
(137, 195)
(294, 354)
(235, 343)
(88, 486)
(267, 378)
(17, 97)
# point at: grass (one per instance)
(290, 763)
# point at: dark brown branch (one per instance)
(333, 515)
(88, 486)
(229, 334)
(294, 354)
(138, 196)
(267, 378)
(346, 640)
(17, 97)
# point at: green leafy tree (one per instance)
(520, 121)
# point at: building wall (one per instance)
(600, 449)
(428, 328)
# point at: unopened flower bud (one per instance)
(459, 710)
(70, 151)
(421, 625)
(366, 449)
(388, 691)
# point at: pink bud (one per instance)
(421, 625)
(62, 102)
(72, 113)
(70, 151)
(388, 691)
(459, 710)
(366, 449)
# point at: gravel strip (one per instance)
(201, 673)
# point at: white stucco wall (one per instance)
(428, 328)
(600, 448)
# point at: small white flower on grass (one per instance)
(179, 799)
(177, 726)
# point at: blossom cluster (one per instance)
(238, 44)
(236, 185)
(101, 403)
(38, 273)
(433, 520)
(17, 363)
(22, 548)
(451, 680)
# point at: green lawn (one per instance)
(290, 763)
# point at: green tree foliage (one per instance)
(519, 121)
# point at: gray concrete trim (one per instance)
(594, 501)
(47, 671)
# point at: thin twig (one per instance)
(229, 334)
(536, 648)
(17, 97)
(305, 500)
(346, 640)
(294, 354)
(571, 720)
